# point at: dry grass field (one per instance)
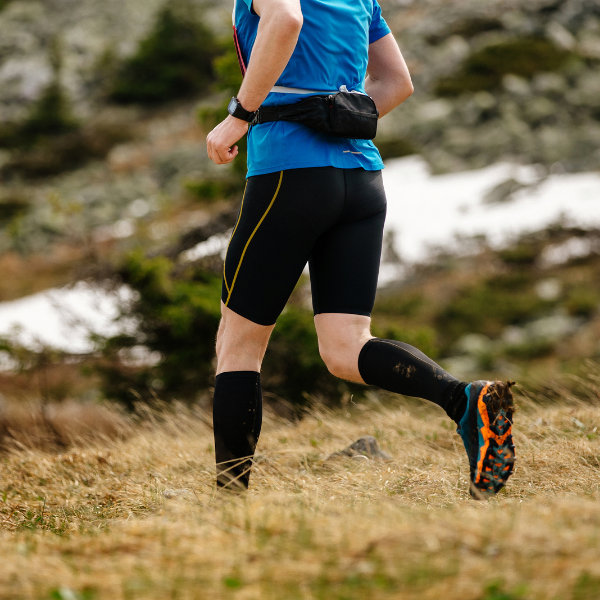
(139, 517)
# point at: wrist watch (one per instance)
(235, 109)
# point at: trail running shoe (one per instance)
(486, 431)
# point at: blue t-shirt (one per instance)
(332, 51)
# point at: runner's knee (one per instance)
(341, 338)
(241, 344)
(336, 362)
(233, 340)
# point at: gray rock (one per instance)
(587, 92)
(484, 100)
(517, 21)
(556, 143)
(590, 45)
(365, 447)
(549, 289)
(514, 336)
(561, 36)
(553, 328)
(540, 108)
(503, 192)
(550, 329)
(172, 494)
(474, 344)
(436, 110)
(465, 368)
(516, 85)
(546, 83)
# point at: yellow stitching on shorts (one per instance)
(234, 230)
(250, 238)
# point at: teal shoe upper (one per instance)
(470, 425)
(463, 425)
(485, 429)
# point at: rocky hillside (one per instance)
(90, 35)
(501, 79)
(84, 159)
(102, 152)
(517, 79)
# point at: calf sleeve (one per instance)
(237, 419)
(402, 369)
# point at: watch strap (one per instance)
(239, 112)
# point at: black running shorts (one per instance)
(331, 218)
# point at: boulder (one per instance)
(365, 447)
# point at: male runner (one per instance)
(319, 199)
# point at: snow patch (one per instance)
(65, 318)
(425, 212)
(428, 212)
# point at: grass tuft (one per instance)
(139, 517)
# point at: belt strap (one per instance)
(286, 112)
(279, 89)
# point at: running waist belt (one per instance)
(343, 114)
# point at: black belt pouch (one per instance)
(344, 114)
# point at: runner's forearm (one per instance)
(276, 40)
(386, 94)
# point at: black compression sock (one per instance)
(237, 419)
(402, 369)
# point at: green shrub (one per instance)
(395, 148)
(229, 80)
(467, 28)
(522, 254)
(293, 367)
(422, 338)
(403, 304)
(490, 306)
(496, 591)
(484, 69)
(177, 318)
(178, 315)
(582, 302)
(227, 69)
(51, 140)
(531, 350)
(53, 154)
(209, 190)
(50, 116)
(586, 587)
(11, 207)
(9, 135)
(174, 61)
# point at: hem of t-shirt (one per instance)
(377, 36)
(376, 166)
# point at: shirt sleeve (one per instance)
(379, 28)
(248, 4)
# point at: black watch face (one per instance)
(233, 104)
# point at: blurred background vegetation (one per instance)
(104, 177)
(174, 61)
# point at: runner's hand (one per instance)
(220, 142)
